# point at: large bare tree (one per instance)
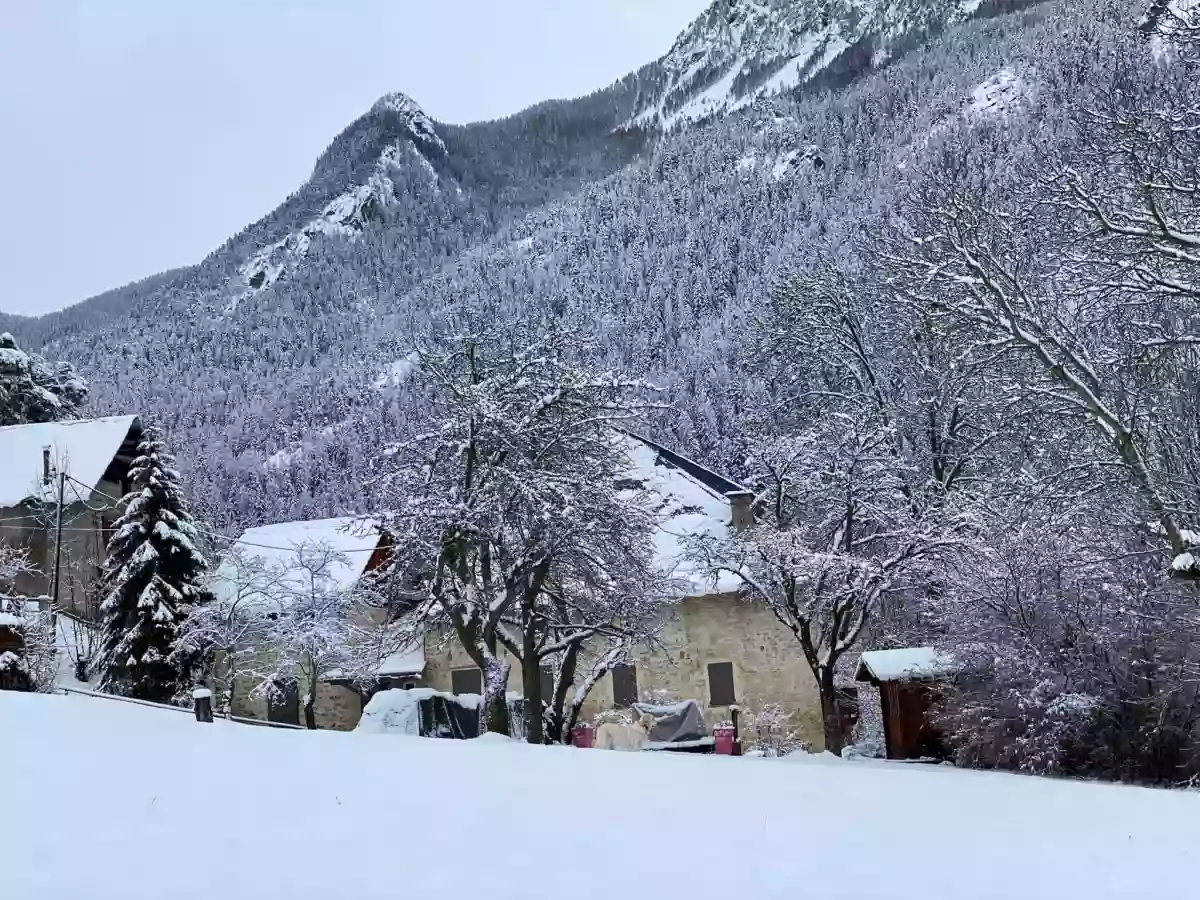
(508, 510)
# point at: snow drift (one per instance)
(167, 807)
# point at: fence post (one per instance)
(202, 703)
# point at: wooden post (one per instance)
(202, 704)
(735, 712)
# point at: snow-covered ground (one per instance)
(111, 800)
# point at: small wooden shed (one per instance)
(907, 679)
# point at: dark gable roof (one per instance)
(707, 477)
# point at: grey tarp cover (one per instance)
(675, 723)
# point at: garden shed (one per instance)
(908, 680)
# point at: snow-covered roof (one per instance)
(83, 448)
(409, 660)
(904, 664)
(693, 502)
(275, 550)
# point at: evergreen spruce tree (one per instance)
(152, 581)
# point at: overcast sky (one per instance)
(139, 134)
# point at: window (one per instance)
(624, 685)
(466, 681)
(547, 684)
(720, 684)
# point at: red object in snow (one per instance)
(583, 736)
(723, 736)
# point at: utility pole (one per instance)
(62, 486)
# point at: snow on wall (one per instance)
(84, 449)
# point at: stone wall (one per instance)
(337, 707)
(768, 665)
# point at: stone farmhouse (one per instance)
(718, 648)
(90, 460)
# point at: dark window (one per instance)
(547, 684)
(283, 705)
(720, 684)
(466, 681)
(624, 682)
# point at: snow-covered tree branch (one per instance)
(507, 506)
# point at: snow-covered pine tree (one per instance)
(152, 580)
(35, 390)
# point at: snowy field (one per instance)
(113, 801)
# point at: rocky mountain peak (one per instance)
(738, 51)
(411, 116)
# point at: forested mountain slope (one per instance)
(271, 362)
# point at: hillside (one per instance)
(259, 813)
(657, 214)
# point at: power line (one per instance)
(233, 540)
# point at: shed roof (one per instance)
(83, 448)
(905, 664)
(408, 660)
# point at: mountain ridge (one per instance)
(660, 245)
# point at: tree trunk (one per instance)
(531, 680)
(310, 702)
(495, 703)
(830, 713)
(558, 726)
(531, 677)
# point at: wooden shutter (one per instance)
(624, 685)
(720, 684)
(466, 681)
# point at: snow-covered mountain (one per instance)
(416, 141)
(741, 50)
(652, 212)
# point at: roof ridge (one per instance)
(704, 475)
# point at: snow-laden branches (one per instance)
(27, 646)
(291, 620)
(35, 390)
(843, 530)
(507, 509)
(1065, 287)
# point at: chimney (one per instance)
(46, 474)
(741, 504)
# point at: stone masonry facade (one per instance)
(768, 665)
